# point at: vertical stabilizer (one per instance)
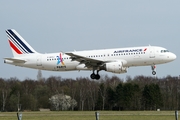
(18, 45)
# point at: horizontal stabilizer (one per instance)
(15, 60)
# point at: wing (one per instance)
(15, 60)
(89, 62)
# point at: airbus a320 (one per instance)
(116, 60)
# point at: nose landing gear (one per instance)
(153, 67)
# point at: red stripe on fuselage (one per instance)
(14, 47)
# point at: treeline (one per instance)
(109, 93)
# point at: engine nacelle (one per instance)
(115, 67)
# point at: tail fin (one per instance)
(18, 45)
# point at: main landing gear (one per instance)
(153, 67)
(95, 76)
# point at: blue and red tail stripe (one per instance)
(14, 47)
(18, 45)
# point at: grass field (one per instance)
(90, 115)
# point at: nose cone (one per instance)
(174, 56)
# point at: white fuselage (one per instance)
(132, 56)
(116, 60)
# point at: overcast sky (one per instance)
(67, 25)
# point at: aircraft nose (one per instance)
(170, 57)
(174, 56)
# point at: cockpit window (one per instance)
(164, 51)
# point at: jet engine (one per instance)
(115, 67)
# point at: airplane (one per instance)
(116, 60)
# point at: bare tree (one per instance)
(72, 84)
(4, 88)
(92, 93)
(102, 92)
(82, 91)
(4, 96)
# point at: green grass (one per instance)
(90, 115)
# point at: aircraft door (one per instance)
(151, 52)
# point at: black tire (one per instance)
(97, 77)
(154, 72)
(93, 76)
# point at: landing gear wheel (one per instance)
(93, 76)
(97, 76)
(154, 72)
